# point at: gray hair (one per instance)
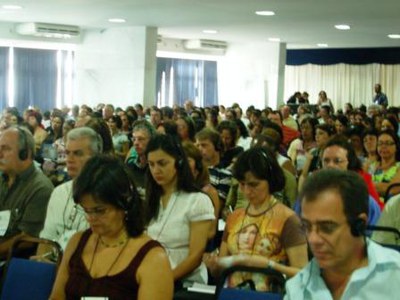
(26, 142)
(144, 125)
(96, 142)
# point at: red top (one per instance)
(371, 187)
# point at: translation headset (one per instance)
(357, 227)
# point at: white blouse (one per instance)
(172, 227)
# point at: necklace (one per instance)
(115, 260)
(258, 224)
(122, 239)
(167, 218)
(70, 215)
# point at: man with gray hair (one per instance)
(24, 190)
(63, 219)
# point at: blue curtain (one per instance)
(192, 78)
(4, 52)
(210, 85)
(35, 78)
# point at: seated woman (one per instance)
(299, 147)
(370, 141)
(323, 132)
(386, 170)
(228, 132)
(180, 214)
(266, 232)
(113, 259)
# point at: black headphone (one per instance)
(23, 144)
(357, 227)
(218, 145)
(198, 165)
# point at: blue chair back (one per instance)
(28, 279)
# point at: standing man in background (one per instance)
(380, 98)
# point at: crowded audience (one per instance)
(187, 192)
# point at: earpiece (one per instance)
(179, 163)
(199, 165)
(357, 227)
(218, 145)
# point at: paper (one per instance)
(202, 288)
(221, 225)
(4, 221)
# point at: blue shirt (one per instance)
(378, 280)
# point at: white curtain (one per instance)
(344, 83)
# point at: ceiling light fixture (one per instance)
(342, 27)
(274, 39)
(11, 7)
(116, 20)
(394, 36)
(322, 45)
(210, 31)
(265, 13)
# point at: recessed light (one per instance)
(210, 31)
(342, 27)
(394, 36)
(11, 7)
(265, 13)
(274, 39)
(322, 45)
(116, 20)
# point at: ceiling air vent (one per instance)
(206, 45)
(48, 30)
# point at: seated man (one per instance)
(136, 160)
(210, 145)
(63, 219)
(24, 190)
(346, 264)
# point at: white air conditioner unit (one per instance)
(48, 30)
(205, 45)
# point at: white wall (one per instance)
(116, 66)
(252, 75)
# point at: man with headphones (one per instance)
(346, 264)
(63, 219)
(24, 190)
(210, 145)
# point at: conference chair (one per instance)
(388, 193)
(29, 279)
(392, 230)
(247, 290)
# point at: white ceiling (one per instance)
(299, 23)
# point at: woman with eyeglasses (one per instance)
(386, 170)
(180, 215)
(264, 234)
(114, 259)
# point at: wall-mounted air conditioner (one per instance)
(205, 45)
(48, 30)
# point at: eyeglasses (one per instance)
(322, 227)
(96, 212)
(335, 161)
(387, 143)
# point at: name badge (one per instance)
(4, 221)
